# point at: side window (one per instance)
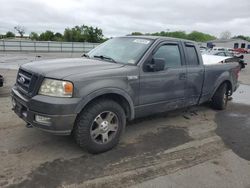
(243, 45)
(236, 45)
(229, 54)
(192, 57)
(171, 54)
(221, 54)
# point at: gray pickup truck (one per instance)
(124, 78)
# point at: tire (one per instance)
(220, 98)
(98, 128)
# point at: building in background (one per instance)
(229, 43)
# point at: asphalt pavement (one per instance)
(193, 147)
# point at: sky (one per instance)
(121, 17)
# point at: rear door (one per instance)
(195, 74)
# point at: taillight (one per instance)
(237, 71)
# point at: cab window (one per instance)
(192, 56)
(171, 54)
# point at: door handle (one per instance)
(182, 76)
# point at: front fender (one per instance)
(85, 100)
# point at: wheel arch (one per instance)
(118, 95)
(229, 87)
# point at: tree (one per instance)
(20, 30)
(195, 35)
(47, 36)
(242, 37)
(225, 35)
(92, 34)
(73, 35)
(67, 35)
(58, 37)
(200, 37)
(34, 36)
(83, 34)
(177, 34)
(136, 33)
(9, 34)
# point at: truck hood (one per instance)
(61, 68)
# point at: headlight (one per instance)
(56, 88)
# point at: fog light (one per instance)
(42, 119)
(13, 102)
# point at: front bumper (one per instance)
(60, 111)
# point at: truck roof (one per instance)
(158, 38)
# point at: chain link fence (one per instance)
(45, 46)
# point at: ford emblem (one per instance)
(21, 80)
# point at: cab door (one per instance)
(163, 90)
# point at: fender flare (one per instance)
(85, 100)
(219, 84)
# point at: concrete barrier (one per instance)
(45, 46)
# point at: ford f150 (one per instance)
(124, 78)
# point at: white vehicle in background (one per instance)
(220, 49)
(213, 59)
(203, 49)
(230, 50)
(223, 57)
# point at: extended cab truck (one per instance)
(122, 79)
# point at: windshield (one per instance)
(121, 50)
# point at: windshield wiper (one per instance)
(103, 57)
(85, 55)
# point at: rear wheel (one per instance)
(220, 98)
(99, 127)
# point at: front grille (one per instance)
(26, 82)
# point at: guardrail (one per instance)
(45, 46)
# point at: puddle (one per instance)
(242, 95)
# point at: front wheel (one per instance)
(220, 98)
(99, 127)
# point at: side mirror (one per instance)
(157, 64)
